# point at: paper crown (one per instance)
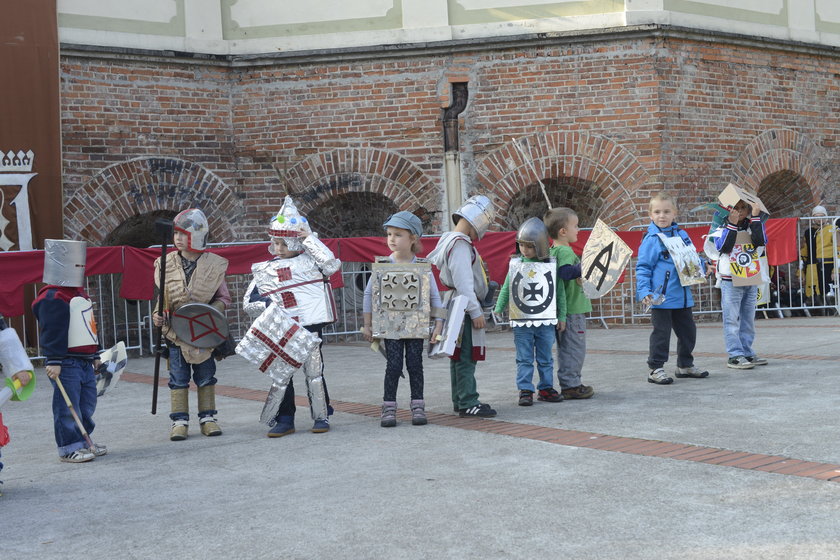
(288, 222)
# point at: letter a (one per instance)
(601, 264)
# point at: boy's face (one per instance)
(528, 250)
(280, 249)
(741, 210)
(570, 232)
(662, 213)
(180, 240)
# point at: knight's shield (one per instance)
(200, 325)
(533, 292)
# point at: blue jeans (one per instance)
(738, 305)
(79, 382)
(534, 343)
(203, 374)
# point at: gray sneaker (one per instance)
(756, 361)
(691, 371)
(659, 377)
(98, 450)
(739, 362)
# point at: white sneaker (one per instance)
(79, 456)
(659, 377)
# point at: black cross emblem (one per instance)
(532, 291)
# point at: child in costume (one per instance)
(658, 284)
(462, 270)
(20, 376)
(743, 233)
(192, 276)
(537, 303)
(562, 224)
(69, 341)
(404, 230)
(297, 279)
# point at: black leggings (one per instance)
(412, 349)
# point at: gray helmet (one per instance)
(478, 211)
(533, 231)
(64, 262)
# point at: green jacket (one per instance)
(576, 300)
(560, 297)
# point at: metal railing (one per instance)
(130, 320)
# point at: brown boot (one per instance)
(207, 403)
(180, 403)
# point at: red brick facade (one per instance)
(603, 122)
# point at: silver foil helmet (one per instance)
(64, 262)
(478, 211)
(534, 232)
(288, 224)
(193, 223)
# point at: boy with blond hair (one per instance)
(658, 285)
(562, 224)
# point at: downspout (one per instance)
(452, 154)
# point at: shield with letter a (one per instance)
(604, 258)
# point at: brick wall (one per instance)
(603, 124)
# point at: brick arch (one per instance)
(147, 184)
(783, 164)
(324, 178)
(611, 171)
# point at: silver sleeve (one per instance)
(321, 254)
(253, 308)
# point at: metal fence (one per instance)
(130, 321)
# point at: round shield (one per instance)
(200, 325)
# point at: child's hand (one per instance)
(159, 320)
(367, 334)
(561, 326)
(648, 299)
(53, 372)
(579, 281)
(24, 377)
(436, 331)
(478, 322)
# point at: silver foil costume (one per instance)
(400, 299)
(299, 288)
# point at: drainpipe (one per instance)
(452, 154)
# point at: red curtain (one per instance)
(20, 268)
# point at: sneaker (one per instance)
(285, 426)
(550, 395)
(756, 361)
(739, 362)
(98, 450)
(526, 398)
(579, 392)
(321, 426)
(79, 456)
(691, 371)
(481, 410)
(659, 377)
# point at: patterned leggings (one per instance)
(412, 348)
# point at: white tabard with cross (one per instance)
(533, 292)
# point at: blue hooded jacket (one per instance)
(655, 264)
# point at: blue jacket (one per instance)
(654, 265)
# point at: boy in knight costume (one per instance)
(295, 284)
(537, 301)
(462, 270)
(20, 376)
(192, 276)
(69, 341)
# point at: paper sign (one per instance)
(685, 259)
(733, 193)
(605, 257)
(747, 263)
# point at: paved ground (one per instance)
(526, 485)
